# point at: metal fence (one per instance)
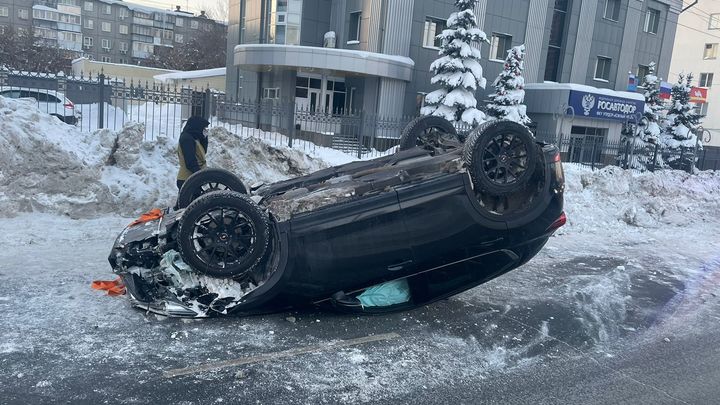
(102, 102)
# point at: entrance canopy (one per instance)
(262, 57)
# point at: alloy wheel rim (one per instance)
(504, 159)
(223, 237)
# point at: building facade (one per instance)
(696, 51)
(111, 31)
(375, 55)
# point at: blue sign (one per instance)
(593, 105)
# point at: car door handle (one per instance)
(399, 266)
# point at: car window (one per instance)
(52, 99)
(41, 97)
(25, 94)
(11, 93)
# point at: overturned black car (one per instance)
(443, 214)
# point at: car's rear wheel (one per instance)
(434, 134)
(206, 181)
(223, 234)
(501, 157)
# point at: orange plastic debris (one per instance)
(113, 288)
(151, 215)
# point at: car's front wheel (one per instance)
(434, 134)
(223, 234)
(206, 181)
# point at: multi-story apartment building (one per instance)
(105, 30)
(696, 51)
(380, 55)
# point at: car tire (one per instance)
(434, 134)
(206, 181)
(501, 157)
(223, 234)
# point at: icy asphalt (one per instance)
(629, 319)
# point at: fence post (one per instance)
(592, 156)
(101, 103)
(654, 159)
(207, 102)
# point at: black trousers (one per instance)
(180, 184)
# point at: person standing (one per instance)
(192, 148)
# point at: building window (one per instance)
(123, 29)
(4, 12)
(179, 22)
(108, 9)
(106, 59)
(612, 10)
(89, 24)
(557, 35)
(88, 42)
(706, 79)
(500, 44)
(106, 27)
(433, 27)
(106, 44)
(701, 109)
(354, 30)
(194, 24)
(124, 13)
(714, 22)
(89, 6)
(271, 93)
(123, 46)
(602, 68)
(711, 51)
(642, 71)
(179, 38)
(23, 14)
(652, 20)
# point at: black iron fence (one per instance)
(93, 103)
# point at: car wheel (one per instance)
(223, 234)
(501, 157)
(434, 134)
(206, 181)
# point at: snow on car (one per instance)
(439, 216)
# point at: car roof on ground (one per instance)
(51, 92)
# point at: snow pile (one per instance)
(47, 166)
(611, 199)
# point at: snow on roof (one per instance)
(149, 10)
(584, 88)
(193, 74)
(83, 58)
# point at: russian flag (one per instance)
(665, 90)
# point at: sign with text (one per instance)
(593, 105)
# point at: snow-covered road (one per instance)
(584, 296)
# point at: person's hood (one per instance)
(195, 126)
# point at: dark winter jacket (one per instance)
(192, 147)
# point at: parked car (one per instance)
(443, 213)
(49, 101)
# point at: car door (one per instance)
(443, 223)
(351, 245)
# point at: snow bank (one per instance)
(609, 200)
(47, 166)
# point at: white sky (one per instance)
(191, 5)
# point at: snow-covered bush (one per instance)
(679, 139)
(458, 69)
(507, 101)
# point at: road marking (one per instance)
(279, 355)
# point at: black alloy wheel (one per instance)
(223, 234)
(207, 181)
(433, 134)
(501, 157)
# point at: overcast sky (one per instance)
(190, 5)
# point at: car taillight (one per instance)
(562, 220)
(69, 104)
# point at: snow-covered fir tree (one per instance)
(507, 101)
(458, 69)
(679, 139)
(638, 141)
